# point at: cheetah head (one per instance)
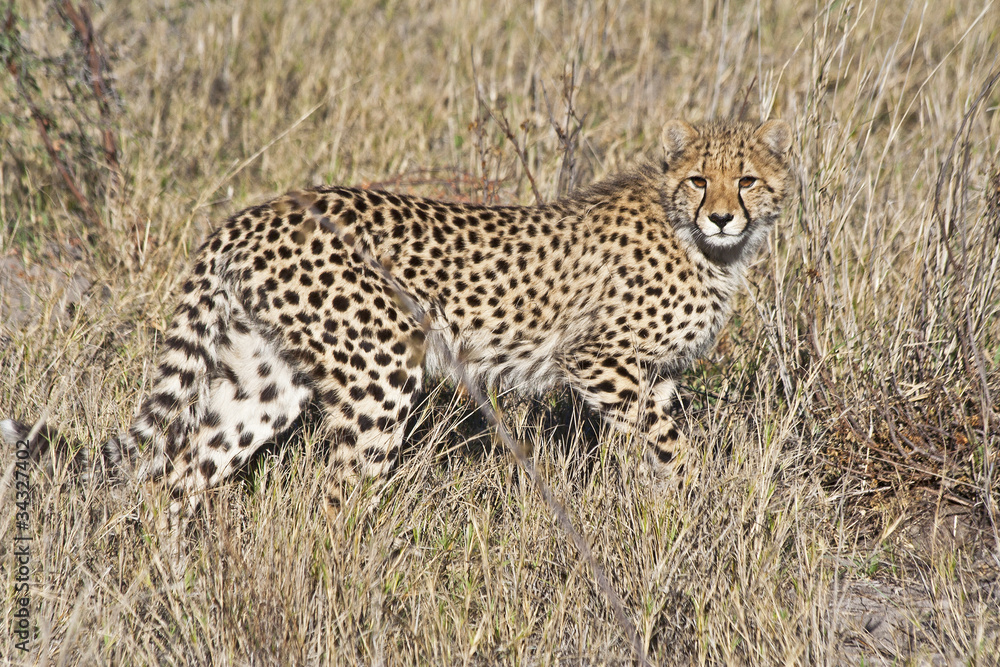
(725, 184)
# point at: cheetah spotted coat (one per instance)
(613, 291)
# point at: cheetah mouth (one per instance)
(719, 246)
(722, 237)
(731, 232)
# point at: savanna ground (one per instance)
(846, 512)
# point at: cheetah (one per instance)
(613, 291)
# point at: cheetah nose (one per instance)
(720, 219)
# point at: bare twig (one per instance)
(568, 131)
(382, 267)
(520, 148)
(43, 122)
(84, 28)
(953, 180)
(746, 98)
(500, 118)
(479, 128)
(455, 181)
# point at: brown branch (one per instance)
(972, 356)
(501, 120)
(455, 180)
(569, 136)
(746, 99)
(521, 151)
(84, 27)
(67, 175)
(43, 122)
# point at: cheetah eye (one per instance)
(698, 182)
(747, 181)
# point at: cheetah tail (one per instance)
(46, 447)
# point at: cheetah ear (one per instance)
(677, 136)
(776, 135)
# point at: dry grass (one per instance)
(846, 512)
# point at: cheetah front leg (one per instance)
(668, 453)
(631, 403)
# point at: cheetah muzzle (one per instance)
(613, 291)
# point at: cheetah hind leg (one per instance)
(254, 395)
(365, 423)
